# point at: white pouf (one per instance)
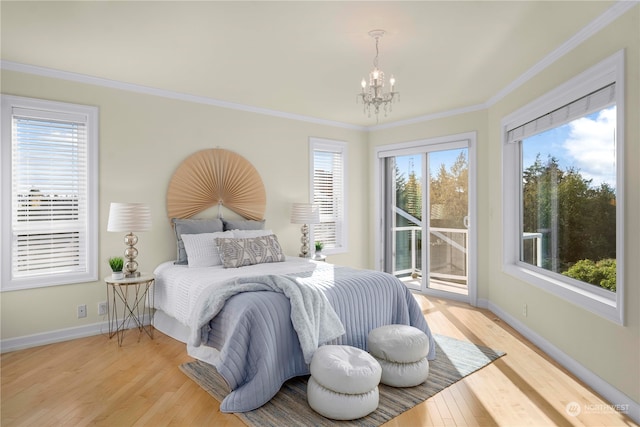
(344, 382)
(340, 406)
(402, 352)
(404, 374)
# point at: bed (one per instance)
(259, 322)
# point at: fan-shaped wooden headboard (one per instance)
(216, 177)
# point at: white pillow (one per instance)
(202, 250)
(250, 234)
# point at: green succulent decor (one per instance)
(116, 263)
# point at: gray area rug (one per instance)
(455, 360)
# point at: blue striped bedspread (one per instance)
(260, 350)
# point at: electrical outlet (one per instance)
(102, 308)
(524, 310)
(82, 311)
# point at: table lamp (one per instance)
(129, 217)
(305, 214)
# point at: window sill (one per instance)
(609, 308)
(334, 251)
(47, 281)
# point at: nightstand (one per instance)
(136, 299)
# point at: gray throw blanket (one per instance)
(313, 318)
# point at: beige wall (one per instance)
(609, 350)
(143, 139)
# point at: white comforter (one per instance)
(178, 287)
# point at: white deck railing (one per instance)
(440, 233)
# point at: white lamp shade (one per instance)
(129, 217)
(305, 213)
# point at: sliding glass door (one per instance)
(425, 216)
(448, 195)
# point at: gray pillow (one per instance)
(242, 224)
(192, 226)
(236, 253)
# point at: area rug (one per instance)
(454, 360)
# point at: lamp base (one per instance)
(304, 249)
(130, 254)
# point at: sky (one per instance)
(587, 144)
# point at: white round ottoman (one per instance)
(344, 382)
(402, 352)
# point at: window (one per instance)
(49, 193)
(328, 159)
(563, 184)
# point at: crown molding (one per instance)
(434, 116)
(147, 90)
(610, 15)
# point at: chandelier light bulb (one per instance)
(375, 97)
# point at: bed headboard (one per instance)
(216, 177)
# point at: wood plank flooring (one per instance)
(92, 381)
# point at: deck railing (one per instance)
(453, 253)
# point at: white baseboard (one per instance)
(482, 303)
(606, 390)
(35, 340)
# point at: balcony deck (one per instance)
(438, 284)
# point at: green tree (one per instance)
(408, 195)
(401, 184)
(409, 199)
(601, 273)
(449, 194)
(413, 192)
(577, 220)
(600, 220)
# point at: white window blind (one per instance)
(328, 194)
(50, 225)
(587, 104)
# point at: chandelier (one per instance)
(374, 97)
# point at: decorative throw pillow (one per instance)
(242, 224)
(256, 250)
(202, 250)
(192, 226)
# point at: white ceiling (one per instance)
(304, 58)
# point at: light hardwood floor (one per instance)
(92, 381)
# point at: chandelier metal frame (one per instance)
(374, 97)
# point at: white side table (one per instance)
(136, 299)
